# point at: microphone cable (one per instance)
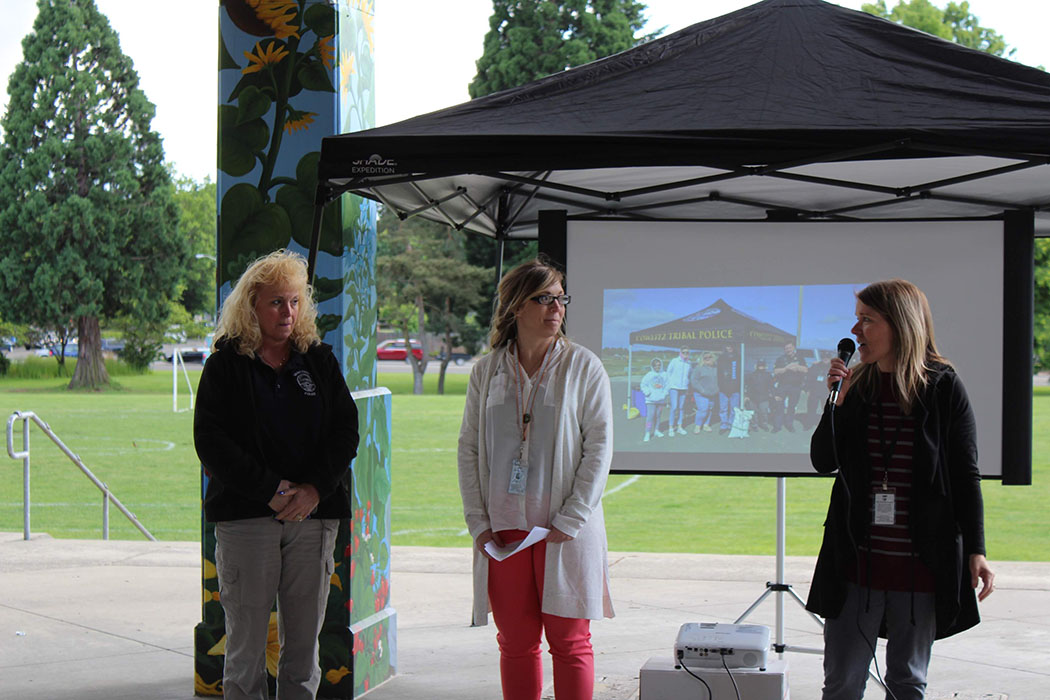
(841, 477)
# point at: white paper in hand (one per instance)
(501, 553)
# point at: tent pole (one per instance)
(315, 233)
(501, 237)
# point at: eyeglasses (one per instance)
(548, 299)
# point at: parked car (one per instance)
(395, 350)
(112, 345)
(459, 358)
(191, 353)
(70, 350)
(8, 343)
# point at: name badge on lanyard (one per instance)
(884, 503)
(519, 467)
(884, 507)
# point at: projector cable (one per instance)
(722, 653)
(681, 663)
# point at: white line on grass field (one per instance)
(424, 449)
(621, 487)
(426, 531)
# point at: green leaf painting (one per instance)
(280, 63)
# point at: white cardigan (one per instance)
(576, 578)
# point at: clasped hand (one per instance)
(294, 501)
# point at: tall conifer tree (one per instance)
(88, 226)
(528, 39)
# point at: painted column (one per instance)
(290, 73)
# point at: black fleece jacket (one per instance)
(228, 435)
(947, 510)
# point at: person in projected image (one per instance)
(759, 389)
(703, 379)
(678, 377)
(789, 371)
(655, 390)
(903, 550)
(534, 451)
(816, 393)
(728, 387)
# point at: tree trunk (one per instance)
(448, 352)
(419, 367)
(91, 370)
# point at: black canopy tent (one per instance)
(790, 109)
(784, 110)
(713, 327)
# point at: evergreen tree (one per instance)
(88, 226)
(197, 212)
(954, 23)
(528, 39)
(425, 285)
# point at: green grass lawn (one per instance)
(133, 441)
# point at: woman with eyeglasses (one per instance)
(534, 450)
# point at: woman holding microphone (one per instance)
(534, 450)
(903, 548)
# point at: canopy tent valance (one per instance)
(712, 328)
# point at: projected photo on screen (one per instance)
(721, 369)
(742, 293)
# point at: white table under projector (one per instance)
(709, 644)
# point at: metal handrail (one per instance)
(107, 496)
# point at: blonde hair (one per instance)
(906, 309)
(515, 289)
(238, 324)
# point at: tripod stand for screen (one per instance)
(779, 587)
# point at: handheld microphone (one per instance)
(846, 349)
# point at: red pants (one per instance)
(515, 593)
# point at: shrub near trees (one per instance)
(88, 224)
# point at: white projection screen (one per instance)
(642, 291)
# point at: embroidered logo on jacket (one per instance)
(306, 382)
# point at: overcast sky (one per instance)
(425, 54)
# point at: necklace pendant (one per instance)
(525, 418)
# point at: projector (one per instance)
(706, 644)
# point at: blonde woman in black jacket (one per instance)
(275, 428)
(903, 548)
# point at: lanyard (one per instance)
(887, 452)
(524, 418)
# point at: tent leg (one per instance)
(315, 233)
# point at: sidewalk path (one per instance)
(97, 620)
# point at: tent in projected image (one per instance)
(710, 328)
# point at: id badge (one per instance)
(884, 508)
(519, 476)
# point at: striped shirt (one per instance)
(889, 550)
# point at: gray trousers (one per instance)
(849, 638)
(259, 560)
